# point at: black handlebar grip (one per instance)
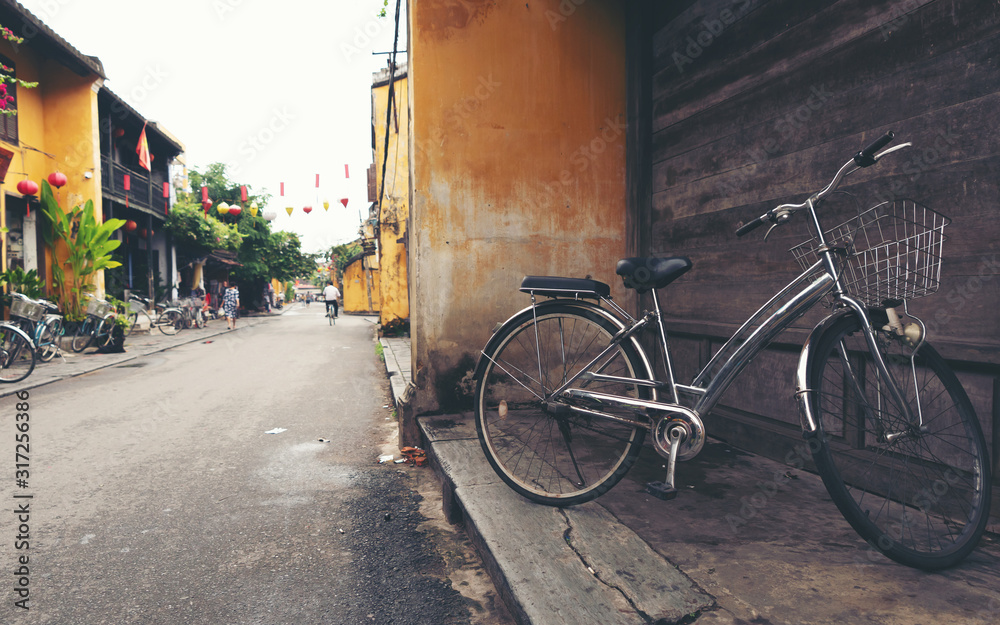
(749, 227)
(865, 157)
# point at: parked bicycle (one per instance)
(40, 319)
(168, 320)
(191, 309)
(96, 328)
(566, 393)
(17, 353)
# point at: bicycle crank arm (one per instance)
(691, 445)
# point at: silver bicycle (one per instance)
(566, 393)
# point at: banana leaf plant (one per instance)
(88, 245)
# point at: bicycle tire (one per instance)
(48, 339)
(132, 319)
(84, 335)
(556, 459)
(923, 497)
(169, 322)
(104, 334)
(17, 356)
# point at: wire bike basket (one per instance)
(98, 307)
(26, 309)
(893, 252)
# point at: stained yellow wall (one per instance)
(393, 292)
(58, 131)
(517, 167)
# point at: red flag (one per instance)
(142, 149)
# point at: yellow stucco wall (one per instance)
(58, 131)
(393, 290)
(517, 167)
(361, 287)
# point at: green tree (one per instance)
(195, 235)
(343, 253)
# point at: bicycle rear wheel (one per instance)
(546, 453)
(84, 335)
(17, 356)
(918, 491)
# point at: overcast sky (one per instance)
(279, 91)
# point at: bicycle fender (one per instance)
(17, 330)
(803, 372)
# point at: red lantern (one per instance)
(343, 201)
(235, 210)
(207, 204)
(119, 133)
(127, 182)
(27, 187)
(57, 179)
(243, 193)
(130, 226)
(204, 194)
(307, 209)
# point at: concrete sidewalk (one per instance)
(137, 344)
(748, 540)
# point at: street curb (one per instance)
(554, 565)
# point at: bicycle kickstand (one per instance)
(666, 490)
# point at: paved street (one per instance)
(230, 479)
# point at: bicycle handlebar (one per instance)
(864, 158)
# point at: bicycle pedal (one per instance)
(661, 490)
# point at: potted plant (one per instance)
(119, 325)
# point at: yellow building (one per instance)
(55, 130)
(361, 286)
(391, 193)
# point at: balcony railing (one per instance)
(145, 189)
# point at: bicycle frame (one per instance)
(709, 385)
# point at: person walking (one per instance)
(231, 303)
(331, 294)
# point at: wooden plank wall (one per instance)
(758, 102)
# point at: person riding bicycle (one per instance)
(331, 294)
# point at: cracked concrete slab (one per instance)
(535, 552)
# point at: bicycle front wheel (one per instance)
(133, 319)
(547, 452)
(916, 487)
(169, 322)
(84, 334)
(17, 356)
(48, 339)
